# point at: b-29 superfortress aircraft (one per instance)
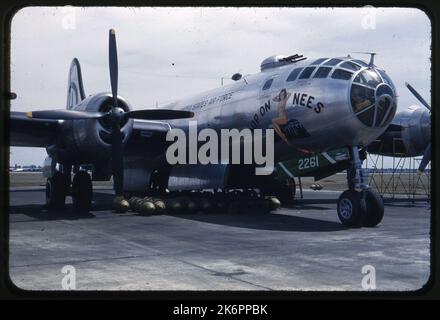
(325, 113)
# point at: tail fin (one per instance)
(75, 88)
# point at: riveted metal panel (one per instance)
(197, 177)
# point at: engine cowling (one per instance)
(407, 136)
(89, 141)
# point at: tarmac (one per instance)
(302, 247)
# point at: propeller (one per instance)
(426, 158)
(117, 116)
(427, 153)
(418, 96)
(152, 114)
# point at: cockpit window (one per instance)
(267, 84)
(386, 78)
(332, 62)
(384, 89)
(367, 117)
(322, 72)
(341, 74)
(383, 106)
(350, 65)
(306, 73)
(368, 77)
(372, 100)
(361, 98)
(319, 61)
(292, 76)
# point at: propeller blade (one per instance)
(418, 96)
(159, 114)
(117, 159)
(117, 143)
(113, 65)
(426, 158)
(65, 114)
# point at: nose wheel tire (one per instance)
(82, 191)
(360, 209)
(372, 208)
(349, 208)
(56, 191)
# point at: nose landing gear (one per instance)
(359, 206)
(349, 208)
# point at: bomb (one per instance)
(160, 206)
(274, 203)
(136, 204)
(133, 202)
(220, 204)
(205, 205)
(120, 205)
(192, 205)
(146, 208)
(174, 205)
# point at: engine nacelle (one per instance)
(89, 141)
(407, 136)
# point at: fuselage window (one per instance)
(341, 74)
(292, 76)
(306, 73)
(332, 62)
(322, 72)
(267, 84)
(319, 61)
(350, 65)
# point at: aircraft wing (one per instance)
(389, 143)
(29, 132)
(147, 136)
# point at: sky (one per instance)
(169, 53)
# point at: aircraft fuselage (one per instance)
(313, 114)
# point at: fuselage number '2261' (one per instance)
(308, 163)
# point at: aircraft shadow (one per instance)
(297, 206)
(40, 212)
(265, 221)
(249, 220)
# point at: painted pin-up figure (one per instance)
(282, 119)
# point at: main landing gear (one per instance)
(56, 191)
(59, 185)
(284, 191)
(359, 206)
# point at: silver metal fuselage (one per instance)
(244, 104)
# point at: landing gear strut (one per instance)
(56, 191)
(285, 192)
(59, 185)
(359, 206)
(82, 191)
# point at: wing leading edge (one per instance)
(28, 132)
